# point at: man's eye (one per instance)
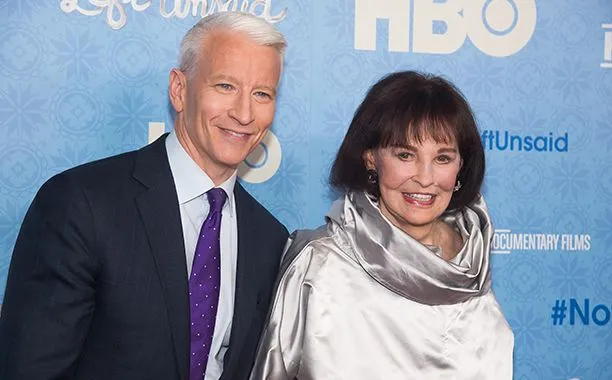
(225, 86)
(263, 95)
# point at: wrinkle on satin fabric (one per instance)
(358, 299)
(408, 267)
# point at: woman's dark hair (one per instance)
(408, 107)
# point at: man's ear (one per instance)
(177, 88)
(369, 159)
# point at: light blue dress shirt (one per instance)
(191, 186)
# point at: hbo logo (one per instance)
(498, 28)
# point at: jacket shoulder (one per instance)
(88, 176)
(261, 214)
(112, 171)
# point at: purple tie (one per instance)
(204, 284)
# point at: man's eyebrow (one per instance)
(225, 77)
(235, 80)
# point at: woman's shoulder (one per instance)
(301, 239)
(305, 244)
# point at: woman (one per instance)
(396, 285)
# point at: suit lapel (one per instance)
(247, 287)
(158, 207)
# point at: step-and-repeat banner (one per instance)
(84, 79)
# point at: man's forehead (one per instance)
(220, 41)
(230, 61)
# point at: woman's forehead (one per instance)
(414, 138)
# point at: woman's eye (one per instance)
(404, 155)
(444, 159)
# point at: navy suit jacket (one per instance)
(97, 286)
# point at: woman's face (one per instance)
(416, 182)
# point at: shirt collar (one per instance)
(189, 179)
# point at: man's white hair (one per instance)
(255, 28)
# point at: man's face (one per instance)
(225, 108)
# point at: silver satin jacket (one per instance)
(359, 299)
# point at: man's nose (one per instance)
(242, 109)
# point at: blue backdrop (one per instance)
(84, 79)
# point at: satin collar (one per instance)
(407, 267)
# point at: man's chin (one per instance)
(233, 161)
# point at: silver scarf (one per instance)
(409, 268)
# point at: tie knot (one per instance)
(216, 199)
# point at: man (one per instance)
(104, 283)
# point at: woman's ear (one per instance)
(369, 159)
